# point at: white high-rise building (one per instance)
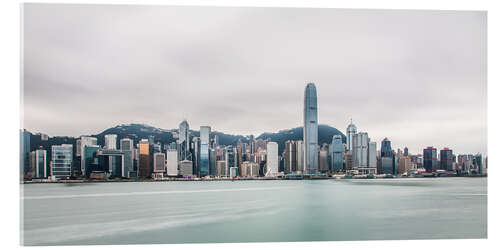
(110, 141)
(172, 163)
(360, 150)
(272, 159)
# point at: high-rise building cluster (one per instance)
(204, 156)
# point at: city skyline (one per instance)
(393, 83)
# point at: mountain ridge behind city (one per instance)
(137, 132)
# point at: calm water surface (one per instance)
(254, 211)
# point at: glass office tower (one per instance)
(204, 151)
(311, 129)
(62, 159)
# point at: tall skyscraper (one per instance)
(62, 159)
(350, 132)
(446, 159)
(110, 141)
(338, 153)
(184, 141)
(360, 154)
(204, 151)
(430, 159)
(310, 129)
(39, 164)
(272, 158)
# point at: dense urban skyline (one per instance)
(418, 78)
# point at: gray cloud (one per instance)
(417, 77)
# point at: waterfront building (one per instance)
(360, 150)
(195, 153)
(172, 163)
(39, 163)
(360, 154)
(350, 132)
(323, 159)
(478, 163)
(290, 154)
(272, 160)
(204, 151)
(220, 168)
(249, 169)
(310, 129)
(127, 147)
(404, 165)
(90, 159)
(159, 165)
(62, 159)
(387, 165)
(80, 148)
(25, 147)
(110, 141)
(184, 143)
(186, 168)
(230, 156)
(112, 161)
(337, 153)
(430, 159)
(233, 172)
(212, 162)
(145, 151)
(446, 159)
(372, 155)
(464, 162)
(300, 156)
(348, 161)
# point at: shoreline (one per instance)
(81, 181)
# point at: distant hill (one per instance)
(325, 134)
(142, 131)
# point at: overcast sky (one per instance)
(416, 77)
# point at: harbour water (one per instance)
(253, 211)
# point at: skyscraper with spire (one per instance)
(310, 129)
(351, 131)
